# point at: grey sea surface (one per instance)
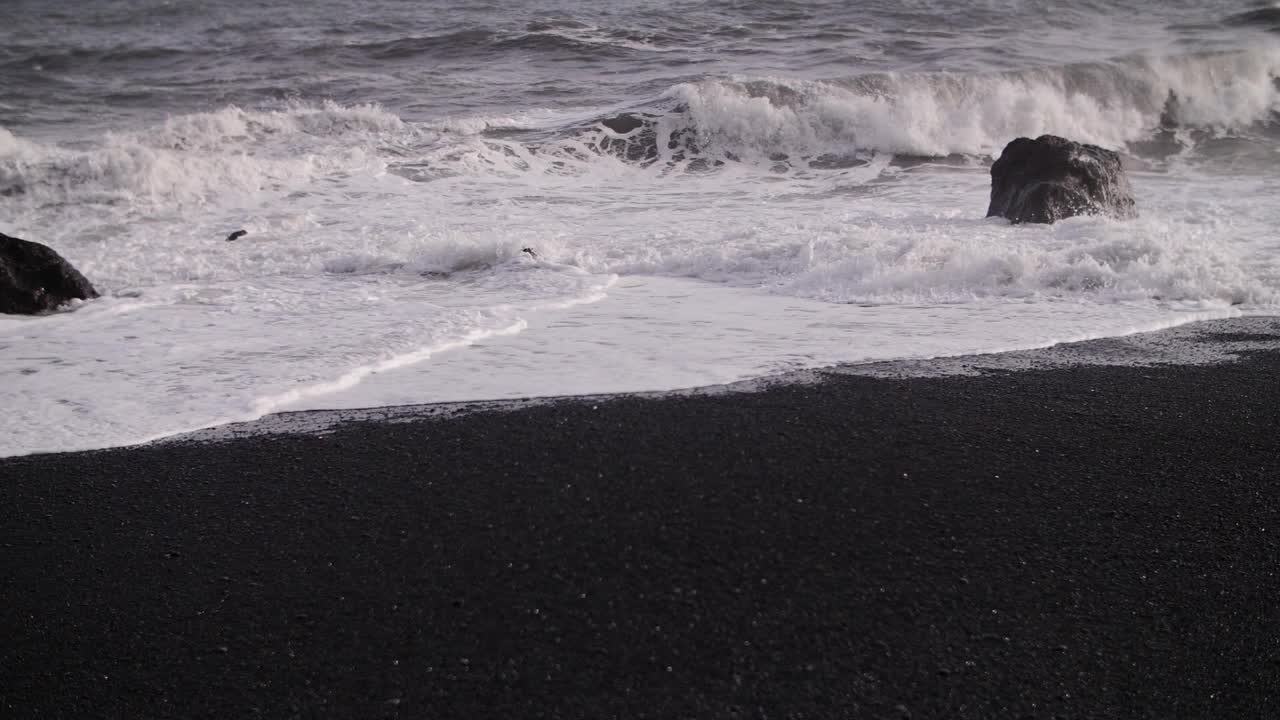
(128, 62)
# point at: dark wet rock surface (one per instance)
(1051, 178)
(35, 279)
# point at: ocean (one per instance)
(447, 203)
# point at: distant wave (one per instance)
(564, 40)
(545, 38)
(67, 59)
(408, 47)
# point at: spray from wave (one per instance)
(1113, 104)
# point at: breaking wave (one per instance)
(203, 157)
(1114, 104)
(778, 124)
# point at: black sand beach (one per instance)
(1075, 542)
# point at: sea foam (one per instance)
(778, 224)
(939, 114)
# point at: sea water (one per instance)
(440, 204)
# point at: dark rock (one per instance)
(237, 235)
(1051, 178)
(1169, 114)
(35, 279)
(624, 123)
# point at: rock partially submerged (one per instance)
(634, 137)
(626, 122)
(35, 279)
(1052, 178)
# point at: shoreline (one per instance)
(577, 352)
(1177, 344)
(1021, 535)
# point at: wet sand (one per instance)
(1065, 541)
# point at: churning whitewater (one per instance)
(448, 204)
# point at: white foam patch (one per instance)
(122, 371)
(219, 157)
(661, 334)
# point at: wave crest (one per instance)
(203, 156)
(1112, 104)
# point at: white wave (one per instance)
(937, 114)
(1200, 241)
(202, 355)
(894, 264)
(777, 124)
(234, 125)
(203, 157)
(1079, 258)
(445, 253)
(235, 156)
